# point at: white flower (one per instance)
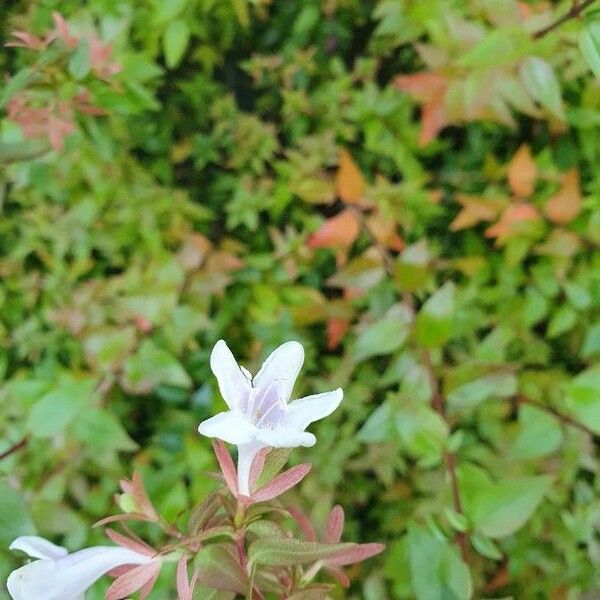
(58, 575)
(259, 414)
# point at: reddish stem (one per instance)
(437, 400)
(15, 448)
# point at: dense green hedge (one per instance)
(410, 189)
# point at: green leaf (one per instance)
(175, 42)
(469, 395)
(218, 568)
(379, 426)
(15, 519)
(80, 62)
(421, 429)
(539, 78)
(539, 434)
(591, 342)
(589, 44)
(411, 269)
(15, 84)
(275, 461)
(563, 319)
(54, 411)
(499, 509)
(501, 46)
(437, 571)
(151, 366)
(485, 547)
(434, 321)
(384, 336)
(583, 398)
(102, 432)
(288, 552)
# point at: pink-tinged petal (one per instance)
(227, 467)
(285, 438)
(359, 553)
(282, 483)
(233, 384)
(230, 426)
(132, 581)
(38, 547)
(334, 526)
(301, 413)
(70, 576)
(304, 523)
(257, 466)
(282, 366)
(127, 542)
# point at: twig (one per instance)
(437, 400)
(565, 419)
(575, 10)
(15, 448)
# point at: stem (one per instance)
(15, 448)
(437, 400)
(563, 418)
(575, 10)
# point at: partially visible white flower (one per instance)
(260, 414)
(58, 575)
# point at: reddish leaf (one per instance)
(356, 554)
(511, 219)
(433, 120)
(335, 525)
(118, 518)
(185, 588)
(133, 580)
(282, 483)
(340, 231)
(127, 542)
(336, 329)
(383, 230)
(349, 182)
(423, 87)
(227, 467)
(339, 575)
(304, 523)
(522, 172)
(566, 204)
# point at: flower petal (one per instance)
(282, 365)
(70, 576)
(233, 383)
(37, 547)
(301, 413)
(285, 437)
(230, 426)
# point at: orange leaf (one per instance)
(423, 87)
(511, 219)
(566, 204)
(384, 231)
(474, 210)
(522, 172)
(336, 329)
(340, 231)
(433, 120)
(349, 182)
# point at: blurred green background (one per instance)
(410, 189)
